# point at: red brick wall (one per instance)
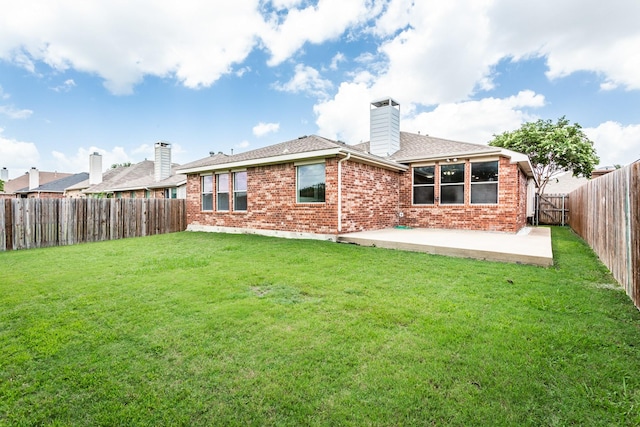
(271, 202)
(508, 215)
(369, 197)
(45, 195)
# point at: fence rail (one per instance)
(38, 223)
(606, 213)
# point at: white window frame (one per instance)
(310, 163)
(496, 182)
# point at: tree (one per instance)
(552, 148)
(117, 165)
(1, 185)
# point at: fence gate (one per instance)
(552, 209)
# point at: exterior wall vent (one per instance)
(384, 127)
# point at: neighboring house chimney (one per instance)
(162, 165)
(95, 168)
(384, 127)
(4, 174)
(34, 178)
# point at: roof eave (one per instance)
(263, 161)
(466, 155)
(379, 162)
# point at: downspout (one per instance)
(340, 190)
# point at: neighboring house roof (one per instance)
(57, 186)
(564, 184)
(13, 185)
(413, 147)
(139, 176)
(109, 174)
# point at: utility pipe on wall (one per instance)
(340, 190)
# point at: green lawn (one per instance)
(213, 329)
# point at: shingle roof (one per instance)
(413, 147)
(57, 186)
(134, 177)
(19, 183)
(422, 147)
(303, 144)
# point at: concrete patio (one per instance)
(532, 245)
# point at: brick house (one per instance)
(314, 187)
(31, 180)
(147, 179)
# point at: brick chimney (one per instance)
(34, 178)
(162, 164)
(95, 168)
(384, 127)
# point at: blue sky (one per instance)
(116, 77)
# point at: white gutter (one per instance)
(340, 190)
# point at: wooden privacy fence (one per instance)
(38, 223)
(552, 209)
(606, 213)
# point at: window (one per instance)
(484, 182)
(222, 191)
(423, 185)
(310, 183)
(207, 193)
(240, 191)
(452, 184)
(132, 194)
(171, 193)
(147, 194)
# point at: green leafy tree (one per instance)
(1, 185)
(117, 165)
(552, 148)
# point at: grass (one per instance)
(213, 329)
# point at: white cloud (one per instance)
(615, 143)
(336, 60)
(440, 55)
(3, 94)
(285, 4)
(588, 35)
(306, 80)
(347, 117)
(476, 121)
(196, 42)
(17, 155)
(261, 129)
(318, 23)
(79, 161)
(395, 16)
(243, 144)
(14, 113)
(65, 87)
